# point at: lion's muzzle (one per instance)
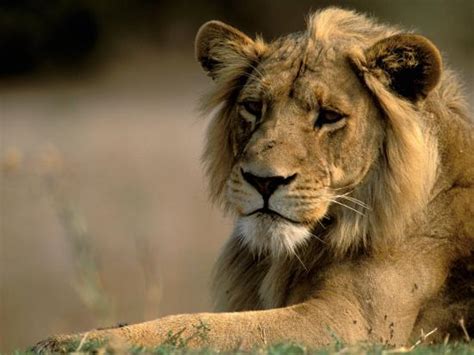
(266, 185)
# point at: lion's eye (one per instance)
(251, 110)
(328, 117)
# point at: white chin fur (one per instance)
(266, 234)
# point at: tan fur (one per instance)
(373, 238)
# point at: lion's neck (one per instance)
(267, 282)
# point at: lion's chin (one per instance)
(269, 235)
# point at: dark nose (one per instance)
(266, 186)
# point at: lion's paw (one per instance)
(67, 344)
(55, 344)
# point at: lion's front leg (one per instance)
(304, 323)
(219, 331)
(177, 331)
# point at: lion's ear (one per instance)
(222, 49)
(409, 64)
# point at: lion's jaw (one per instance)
(284, 222)
(267, 234)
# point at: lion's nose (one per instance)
(266, 185)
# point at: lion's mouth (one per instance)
(273, 214)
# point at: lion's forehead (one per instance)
(285, 52)
(296, 63)
(289, 51)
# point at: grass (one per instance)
(176, 343)
(178, 348)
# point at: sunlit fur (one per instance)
(390, 198)
(395, 188)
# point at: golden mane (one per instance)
(396, 190)
(397, 186)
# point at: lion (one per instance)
(345, 154)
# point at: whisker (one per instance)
(355, 201)
(338, 188)
(318, 238)
(301, 261)
(352, 198)
(322, 225)
(348, 207)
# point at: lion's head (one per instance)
(320, 134)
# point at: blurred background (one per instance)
(104, 216)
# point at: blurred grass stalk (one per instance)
(152, 286)
(87, 282)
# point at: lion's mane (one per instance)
(397, 188)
